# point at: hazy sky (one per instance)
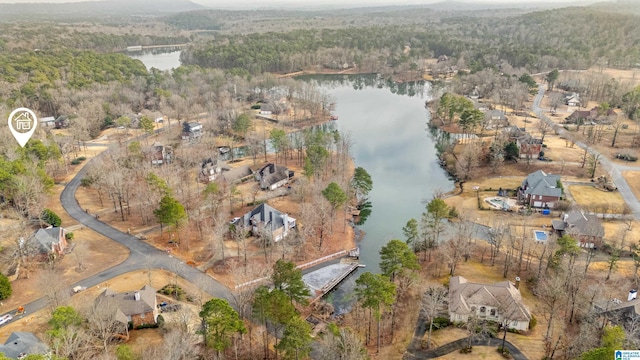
(299, 4)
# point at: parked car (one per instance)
(5, 319)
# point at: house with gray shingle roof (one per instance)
(51, 240)
(540, 190)
(500, 302)
(21, 344)
(138, 307)
(585, 228)
(266, 220)
(272, 176)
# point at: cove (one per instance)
(388, 125)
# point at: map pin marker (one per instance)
(22, 123)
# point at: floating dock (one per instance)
(325, 279)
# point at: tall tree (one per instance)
(170, 212)
(362, 184)
(296, 340)
(434, 302)
(288, 279)
(396, 257)
(552, 77)
(410, 232)
(222, 322)
(336, 197)
(375, 292)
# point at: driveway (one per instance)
(614, 170)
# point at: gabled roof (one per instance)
(127, 303)
(540, 183)
(23, 343)
(265, 214)
(579, 223)
(47, 237)
(464, 295)
(271, 174)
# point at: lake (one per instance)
(388, 125)
(159, 59)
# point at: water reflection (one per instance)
(388, 125)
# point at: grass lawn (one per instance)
(590, 197)
(633, 179)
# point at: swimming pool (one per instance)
(540, 235)
(499, 203)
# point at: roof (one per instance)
(23, 343)
(576, 221)
(271, 174)
(464, 295)
(541, 183)
(263, 213)
(47, 237)
(128, 305)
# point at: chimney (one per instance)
(633, 293)
(518, 282)
(136, 295)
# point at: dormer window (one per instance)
(483, 309)
(493, 312)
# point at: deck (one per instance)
(325, 279)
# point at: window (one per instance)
(493, 312)
(483, 309)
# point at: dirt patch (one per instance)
(479, 352)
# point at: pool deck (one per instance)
(511, 203)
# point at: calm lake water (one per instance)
(160, 60)
(387, 123)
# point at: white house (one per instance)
(498, 302)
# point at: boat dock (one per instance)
(325, 279)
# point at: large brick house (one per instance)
(540, 190)
(585, 228)
(137, 307)
(51, 240)
(500, 302)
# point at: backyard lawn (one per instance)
(589, 197)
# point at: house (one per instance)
(61, 122)
(619, 312)
(266, 220)
(51, 240)
(22, 344)
(529, 146)
(138, 307)
(48, 121)
(495, 119)
(540, 190)
(497, 302)
(585, 228)
(590, 116)
(191, 130)
(237, 174)
(210, 170)
(161, 154)
(272, 176)
(572, 99)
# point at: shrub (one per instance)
(533, 322)
(440, 322)
(504, 352)
(160, 321)
(69, 236)
(75, 162)
(5, 287)
(173, 290)
(50, 218)
(466, 350)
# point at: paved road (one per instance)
(141, 255)
(614, 170)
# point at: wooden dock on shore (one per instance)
(335, 282)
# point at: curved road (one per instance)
(141, 255)
(614, 170)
